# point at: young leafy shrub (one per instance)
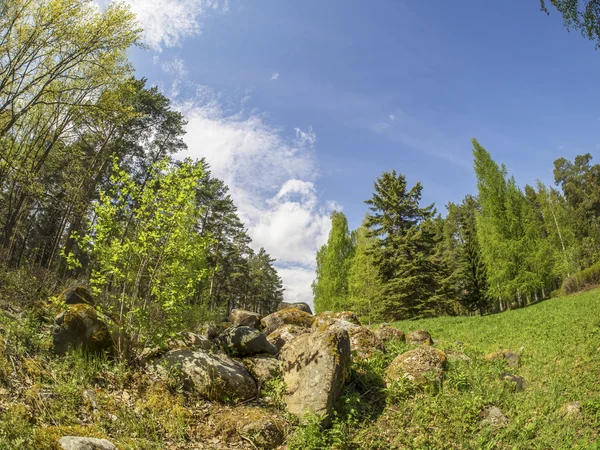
(149, 255)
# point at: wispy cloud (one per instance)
(275, 76)
(167, 23)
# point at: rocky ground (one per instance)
(288, 380)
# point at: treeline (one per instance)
(503, 248)
(89, 187)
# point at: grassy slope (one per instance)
(559, 341)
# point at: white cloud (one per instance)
(306, 138)
(392, 117)
(275, 76)
(167, 22)
(178, 74)
(271, 178)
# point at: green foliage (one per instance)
(586, 279)
(148, 254)
(333, 263)
(581, 15)
(404, 254)
(364, 281)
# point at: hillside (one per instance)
(560, 362)
(44, 397)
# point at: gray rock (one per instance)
(246, 318)
(212, 376)
(419, 337)
(512, 358)
(289, 316)
(281, 336)
(388, 333)
(518, 382)
(262, 367)
(245, 341)
(315, 368)
(192, 341)
(572, 409)
(492, 416)
(85, 443)
(420, 365)
(299, 305)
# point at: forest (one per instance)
(90, 189)
(501, 248)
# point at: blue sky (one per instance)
(301, 105)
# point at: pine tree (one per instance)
(330, 289)
(404, 254)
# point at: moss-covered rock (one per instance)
(419, 337)
(81, 326)
(387, 333)
(421, 366)
(281, 336)
(84, 443)
(263, 368)
(245, 318)
(298, 305)
(364, 343)
(76, 295)
(190, 341)
(288, 316)
(261, 427)
(212, 376)
(245, 341)
(511, 357)
(315, 368)
(348, 316)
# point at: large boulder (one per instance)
(213, 330)
(387, 333)
(348, 316)
(245, 318)
(212, 376)
(421, 365)
(281, 336)
(85, 443)
(263, 368)
(80, 326)
(76, 295)
(344, 320)
(288, 316)
(299, 305)
(191, 341)
(245, 341)
(511, 357)
(419, 337)
(315, 368)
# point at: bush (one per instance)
(580, 281)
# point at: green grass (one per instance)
(559, 342)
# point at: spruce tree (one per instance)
(404, 254)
